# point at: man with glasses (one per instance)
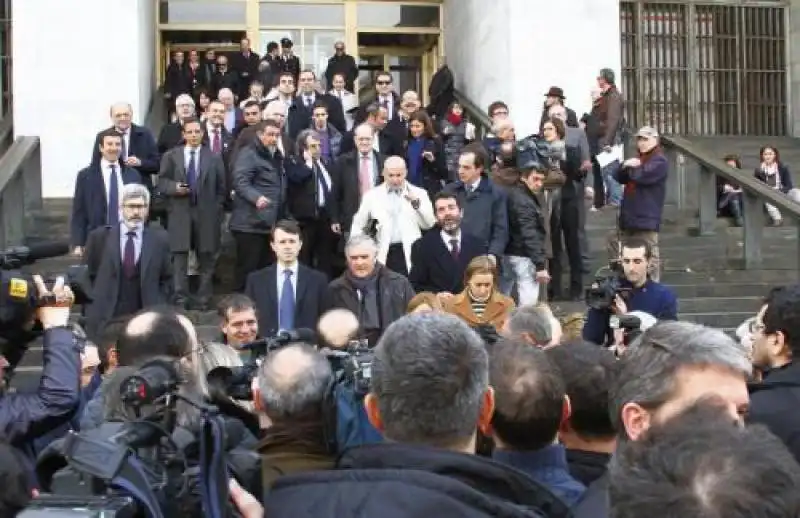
(224, 77)
(639, 293)
(341, 63)
(385, 97)
(128, 263)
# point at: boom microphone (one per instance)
(19, 256)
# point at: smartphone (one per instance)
(430, 147)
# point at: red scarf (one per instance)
(454, 119)
(630, 187)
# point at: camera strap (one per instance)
(133, 480)
(213, 467)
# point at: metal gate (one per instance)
(706, 68)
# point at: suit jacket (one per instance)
(89, 204)
(258, 173)
(104, 266)
(211, 196)
(299, 117)
(433, 267)
(311, 298)
(346, 194)
(142, 145)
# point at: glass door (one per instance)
(406, 70)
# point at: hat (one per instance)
(286, 43)
(647, 132)
(555, 92)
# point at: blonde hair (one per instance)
(481, 264)
(425, 298)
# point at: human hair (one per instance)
(534, 321)
(302, 140)
(108, 133)
(272, 46)
(560, 127)
(648, 370)
(190, 120)
(251, 103)
(633, 243)
(14, 476)
(235, 302)
(702, 464)
(446, 195)
(151, 333)
(494, 106)
(774, 150)
(529, 396)
(185, 99)
(783, 315)
(478, 152)
(360, 240)
(135, 191)
(108, 339)
(289, 226)
(373, 109)
(293, 381)
(210, 356)
(588, 372)
(285, 74)
(383, 73)
(501, 125)
(733, 158)
(422, 117)
(262, 125)
(430, 373)
(479, 265)
(309, 71)
(425, 298)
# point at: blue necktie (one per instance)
(286, 304)
(191, 176)
(113, 198)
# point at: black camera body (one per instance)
(357, 365)
(601, 294)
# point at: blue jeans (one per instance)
(522, 272)
(612, 186)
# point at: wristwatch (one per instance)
(415, 204)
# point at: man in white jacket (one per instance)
(394, 213)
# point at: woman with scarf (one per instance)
(776, 175)
(481, 303)
(456, 132)
(424, 155)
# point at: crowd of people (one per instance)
(404, 230)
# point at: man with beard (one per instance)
(439, 259)
(128, 264)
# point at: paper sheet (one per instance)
(617, 153)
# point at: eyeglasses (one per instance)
(383, 83)
(134, 206)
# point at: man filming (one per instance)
(24, 417)
(636, 292)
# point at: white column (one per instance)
(793, 43)
(70, 65)
(514, 50)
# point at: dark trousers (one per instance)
(320, 245)
(180, 266)
(396, 259)
(252, 253)
(565, 223)
(599, 185)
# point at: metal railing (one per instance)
(157, 115)
(20, 189)
(475, 115)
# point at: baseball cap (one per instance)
(647, 132)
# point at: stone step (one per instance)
(701, 305)
(716, 319)
(723, 290)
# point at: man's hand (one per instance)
(245, 503)
(336, 228)
(619, 307)
(56, 302)
(493, 259)
(182, 189)
(262, 202)
(132, 161)
(727, 188)
(427, 155)
(445, 295)
(632, 162)
(77, 251)
(543, 276)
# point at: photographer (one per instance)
(635, 291)
(23, 417)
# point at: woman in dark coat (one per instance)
(424, 155)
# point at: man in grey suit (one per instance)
(258, 202)
(193, 180)
(128, 264)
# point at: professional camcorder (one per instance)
(142, 467)
(601, 294)
(353, 365)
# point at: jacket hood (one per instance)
(483, 474)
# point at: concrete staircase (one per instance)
(747, 149)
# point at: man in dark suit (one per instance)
(258, 200)
(98, 190)
(353, 174)
(439, 258)
(385, 97)
(287, 294)
(218, 139)
(387, 141)
(302, 108)
(128, 263)
(288, 61)
(139, 150)
(341, 63)
(245, 63)
(193, 180)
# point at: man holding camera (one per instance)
(636, 292)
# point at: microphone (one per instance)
(19, 256)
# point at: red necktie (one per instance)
(216, 144)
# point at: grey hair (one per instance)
(287, 395)
(647, 371)
(364, 125)
(132, 191)
(534, 321)
(211, 355)
(302, 138)
(359, 240)
(429, 375)
(502, 124)
(184, 98)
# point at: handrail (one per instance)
(20, 189)
(478, 117)
(6, 132)
(693, 170)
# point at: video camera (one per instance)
(353, 364)
(601, 294)
(141, 466)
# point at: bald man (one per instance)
(139, 150)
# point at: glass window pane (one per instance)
(276, 36)
(398, 15)
(300, 14)
(202, 11)
(318, 48)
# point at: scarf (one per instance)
(368, 287)
(630, 187)
(454, 119)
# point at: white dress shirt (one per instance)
(280, 278)
(447, 238)
(187, 157)
(105, 167)
(324, 172)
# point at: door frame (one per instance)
(428, 66)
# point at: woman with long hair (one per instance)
(424, 155)
(776, 175)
